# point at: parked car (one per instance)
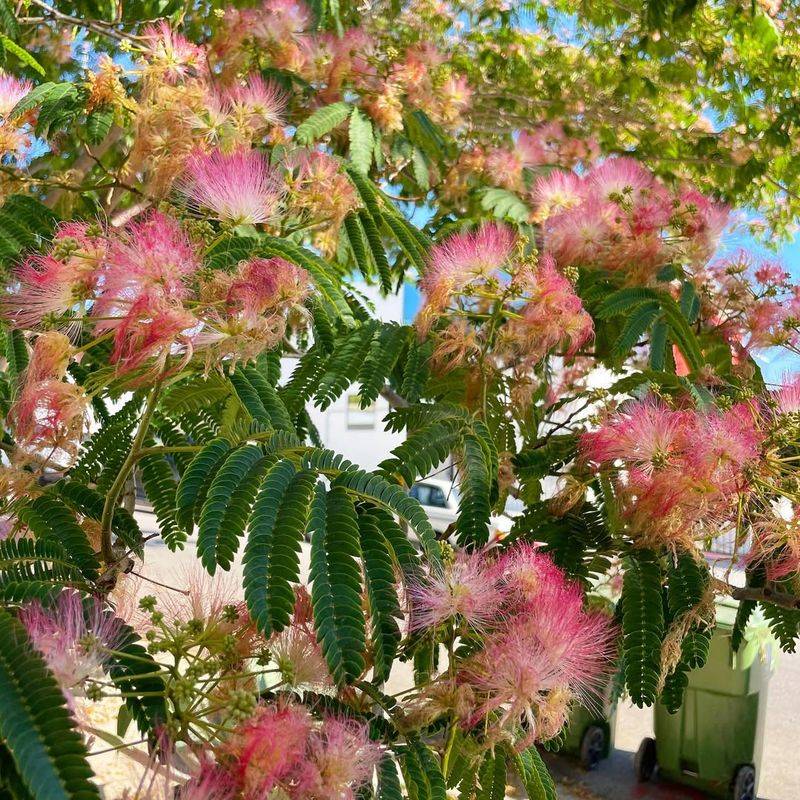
(439, 499)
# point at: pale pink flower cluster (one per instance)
(776, 543)
(283, 750)
(619, 217)
(49, 413)
(171, 57)
(15, 134)
(750, 302)
(553, 315)
(679, 471)
(282, 30)
(239, 187)
(470, 272)
(543, 146)
(539, 647)
(143, 285)
(73, 635)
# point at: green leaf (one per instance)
(362, 141)
(98, 124)
(336, 583)
(58, 108)
(642, 625)
(388, 780)
(492, 776)
(474, 508)
(8, 19)
(623, 300)
(421, 770)
(505, 205)
(322, 121)
(639, 321)
(23, 55)
(196, 480)
(533, 774)
(271, 557)
(376, 248)
(51, 520)
(384, 607)
(160, 487)
(49, 754)
(227, 506)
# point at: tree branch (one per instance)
(765, 595)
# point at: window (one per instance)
(428, 495)
(357, 417)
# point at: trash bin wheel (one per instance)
(644, 763)
(744, 784)
(593, 746)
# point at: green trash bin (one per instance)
(590, 731)
(714, 741)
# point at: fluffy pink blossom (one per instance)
(787, 397)
(50, 416)
(340, 757)
(267, 283)
(49, 288)
(463, 258)
(644, 434)
(175, 57)
(268, 748)
(259, 100)
(212, 782)
(152, 328)
(556, 192)
(467, 590)
(239, 187)
(73, 636)
(151, 258)
(621, 180)
(553, 315)
(548, 647)
(12, 90)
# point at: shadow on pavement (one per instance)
(614, 779)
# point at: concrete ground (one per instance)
(614, 779)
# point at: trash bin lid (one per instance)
(726, 611)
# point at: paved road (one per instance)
(614, 779)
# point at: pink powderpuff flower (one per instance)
(583, 234)
(524, 570)
(644, 434)
(557, 648)
(261, 284)
(281, 19)
(721, 445)
(621, 180)
(49, 288)
(50, 415)
(212, 782)
(319, 188)
(239, 187)
(298, 657)
(553, 315)
(50, 357)
(467, 590)
(150, 258)
(12, 90)
(504, 167)
(702, 222)
(74, 636)
(340, 758)
(776, 541)
(268, 748)
(173, 55)
(558, 191)
(153, 328)
(261, 101)
(787, 398)
(465, 257)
